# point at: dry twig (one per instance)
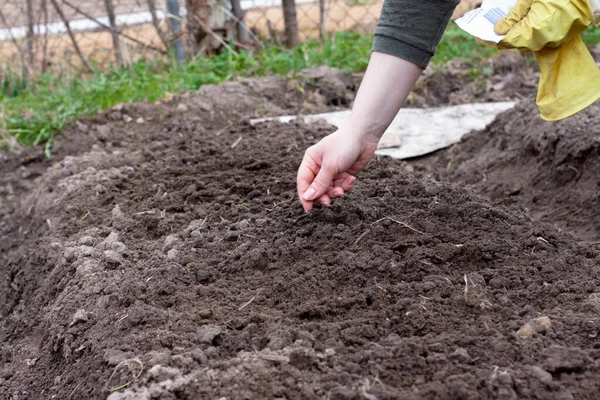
(362, 235)
(246, 304)
(135, 375)
(404, 224)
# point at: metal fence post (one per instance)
(175, 22)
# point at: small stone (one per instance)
(208, 333)
(127, 118)
(476, 279)
(79, 317)
(195, 234)
(30, 362)
(86, 240)
(181, 107)
(140, 120)
(112, 243)
(243, 224)
(542, 375)
(172, 254)
(461, 355)
(117, 213)
(162, 373)
(181, 361)
(113, 257)
(159, 357)
(205, 313)
(538, 325)
(329, 352)
(170, 242)
(88, 267)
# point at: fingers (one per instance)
(324, 200)
(516, 14)
(345, 182)
(304, 178)
(320, 184)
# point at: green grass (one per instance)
(34, 112)
(457, 43)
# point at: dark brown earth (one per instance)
(508, 76)
(173, 253)
(551, 168)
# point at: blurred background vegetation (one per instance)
(48, 79)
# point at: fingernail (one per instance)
(309, 194)
(326, 204)
(351, 180)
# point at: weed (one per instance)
(34, 111)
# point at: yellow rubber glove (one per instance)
(569, 77)
(532, 25)
(569, 80)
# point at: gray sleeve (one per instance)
(412, 29)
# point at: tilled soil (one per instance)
(173, 254)
(552, 168)
(508, 76)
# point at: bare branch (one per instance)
(30, 35)
(156, 23)
(72, 36)
(110, 10)
(126, 36)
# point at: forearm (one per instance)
(384, 88)
(407, 35)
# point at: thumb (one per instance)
(516, 14)
(320, 184)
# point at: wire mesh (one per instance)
(34, 34)
(76, 36)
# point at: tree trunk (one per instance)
(291, 22)
(208, 25)
(322, 34)
(45, 41)
(242, 30)
(30, 36)
(115, 33)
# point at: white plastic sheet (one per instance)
(415, 131)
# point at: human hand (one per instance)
(329, 168)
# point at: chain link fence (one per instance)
(73, 36)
